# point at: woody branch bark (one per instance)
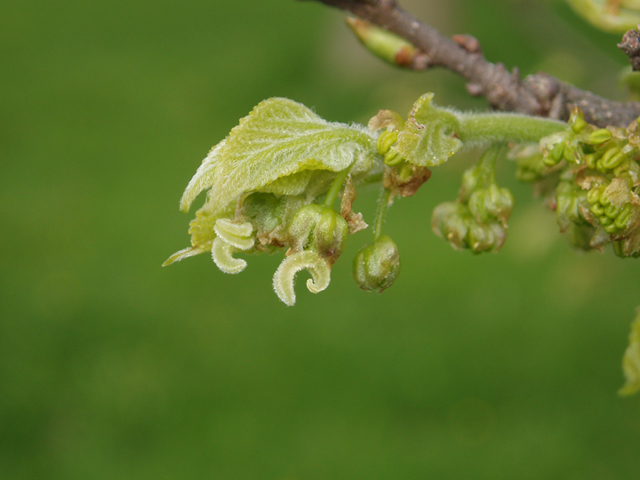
(540, 94)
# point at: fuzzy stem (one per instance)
(505, 127)
(487, 165)
(381, 213)
(332, 194)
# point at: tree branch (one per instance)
(540, 94)
(630, 45)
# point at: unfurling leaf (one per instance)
(279, 140)
(427, 138)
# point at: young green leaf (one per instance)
(427, 138)
(280, 138)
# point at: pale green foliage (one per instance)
(631, 360)
(427, 138)
(264, 179)
(607, 15)
(281, 147)
(431, 134)
(277, 139)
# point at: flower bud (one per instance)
(591, 159)
(454, 222)
(622, 220)
(385, 140)
(626, 248)
(608, 156)
(485, 237)
(553, 147)
(556, 154)
(377, 266)
(318, 228)
(450, 221)
(577, 121)
(614, 161)
(600, 136)
(392, 158)
(568, 199)
(572, 153)
(387, 45)
(488, 204)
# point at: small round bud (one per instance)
(555, 155)
(377, 266)
(600, 136)
(612, 211)
(597, 209)
(454, 222)
(606, 221)
(624, 167)
(392, 158)
(622, 220)
(487, 204)
(319, 228)
(450, 221)
(594, 195)
(610, 228)
(577, 121)
(485, 237)
(608, 158)
(591, 159)
(614, 161)
(385, 140)
(571, 154)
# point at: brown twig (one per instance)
(630, 45)
(539, 94)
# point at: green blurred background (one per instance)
(111, 367)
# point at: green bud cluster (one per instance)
(490, 204)
(265, 179)
(613, 218)
(477, 220)
(454, 222)
(566, 145)
(590, 176)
